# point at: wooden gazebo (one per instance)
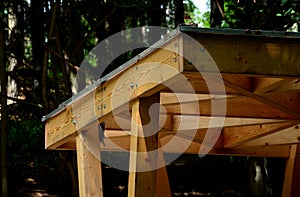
(221, 91)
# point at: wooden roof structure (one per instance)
(221, 91)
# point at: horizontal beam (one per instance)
(176, 143)
(263, 85)
(289, 135)
(185, 122)
(143, 78)
(244, 54)
(237, 136)
(236, 106)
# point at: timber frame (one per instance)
(260, 86)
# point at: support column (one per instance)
(291, 185)
(162, 180)
(89, 171)
(144, 147)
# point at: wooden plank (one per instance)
(291, 86)
(89, 171)
(60, 129)
(242, 81)
(281, 105)
(162, 181)
(172, 143)
(167, 98)
(141, 79)
(205, 83)
(290, 101)
(143, 147)
(236, 136)
(256, 151)
(292, 178)
(236, 106)
(286, 136)
(176, 144)
(263, 85)
(186, 122)
(245, 54)
(194, 136)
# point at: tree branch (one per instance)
(89, 33)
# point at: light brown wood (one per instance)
(289, 172)
(176, 144)
(246, 54)
(279, 105)
(258, 85)
(89, 171)
(109, 98)
(236, 136)
(201, 122)
(263, 85)
(285, 136)
(59, 129)
(291, 86)
(236, 106)
(143, 147)
(167, 98)
(162, 181)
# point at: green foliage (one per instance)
(269, 14)
(26, 145)
(201, 19)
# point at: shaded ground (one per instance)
(31, 182)
(189, 176)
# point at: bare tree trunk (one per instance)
(217, 13)
(3, 115)
(179, 12)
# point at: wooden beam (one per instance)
(291, 86)
(263, 85)
(142, 78)
(282, 104)
(176, 144)
(205, 83)
(236, 136)
(250, 55)
(143, 147)
(162, 181)
(59, 129)
(288, 100)
(186, 122)
(256, 151)
(292, 170)
(167, 98)
(286, 136)
(89, 171)
(236, 106)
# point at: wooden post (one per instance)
(162, 180)
(143, 147)
(292, 173)
(89, 171)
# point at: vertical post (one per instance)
(143, 147)
(292, 173)
(89, 171)
(162, 180)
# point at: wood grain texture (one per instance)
(246, 54)
(89, 171)
(236, 136)
(143, 148)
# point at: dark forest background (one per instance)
(42, 44)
